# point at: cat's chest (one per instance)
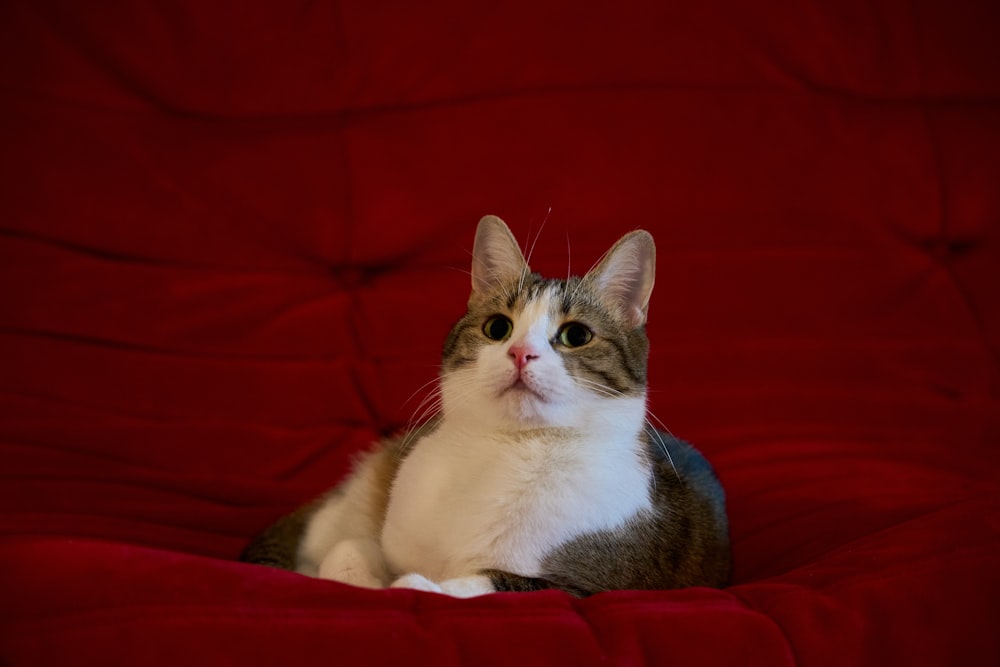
(459, 506)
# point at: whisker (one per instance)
(657, 437)
(418, 420)
(600, 388)
(420, 389)
(655, 434)
(569, 259)
(526, 269)
(497, 278)
(663, 427)
(432, 405)
(534, 242)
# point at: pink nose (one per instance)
(521, 354)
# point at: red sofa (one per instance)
(234, 235)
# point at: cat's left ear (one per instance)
(497, 260)
(623, 280)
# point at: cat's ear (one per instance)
(623, 280)
(496, 258)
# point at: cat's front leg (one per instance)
(357, 562)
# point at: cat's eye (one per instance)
(574, 334)
(498, 327)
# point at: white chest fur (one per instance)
(465, 501)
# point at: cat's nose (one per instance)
(521, 354)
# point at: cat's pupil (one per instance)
(575, 334)
(498, 327)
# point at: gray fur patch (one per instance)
(683, 542)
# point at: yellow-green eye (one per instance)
(575, 334)
(498, 327)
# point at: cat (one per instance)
(540, 469)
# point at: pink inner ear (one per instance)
(624, 278)
(496, 257)
(638, 317)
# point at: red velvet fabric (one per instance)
(234, 235)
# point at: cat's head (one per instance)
(535, 352)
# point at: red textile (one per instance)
(234, 235)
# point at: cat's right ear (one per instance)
(624, 278)
(497, 260)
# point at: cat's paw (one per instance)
(417, 582)
(468, 587)
(459, 587)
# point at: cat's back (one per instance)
(684, 541)
(677, 461)
(692, 506)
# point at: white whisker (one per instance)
(526, 269)
(569, 259)
(657, 436)
(598, 387)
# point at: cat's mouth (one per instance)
(521, 388)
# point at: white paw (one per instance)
(417, 582)
(350, 562)
(459, 587)
(468, 587)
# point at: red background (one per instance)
(234, 235)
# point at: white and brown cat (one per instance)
(540, 469)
